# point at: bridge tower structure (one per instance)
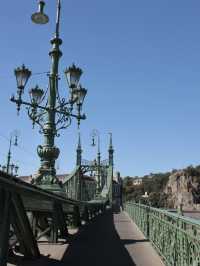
(111, 166)
(111, 151)
(79, 151)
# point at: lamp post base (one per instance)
(49, 182)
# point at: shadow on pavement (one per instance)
(133, 241)
(98, 244)
(42, 261)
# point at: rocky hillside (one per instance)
(183, 188)
(168, 190)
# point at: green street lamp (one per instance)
(96, 135)
(46, 108)
(73, 75)
(11, 168)
(39, 17)
(36, 95)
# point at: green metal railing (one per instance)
(107, 189)
(175, 237)
(28, 213)
(71, 184)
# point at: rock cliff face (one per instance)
(183, 188)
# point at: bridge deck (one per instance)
(112, 240)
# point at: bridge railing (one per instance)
(29, 213)
(71, 184)
(107, 189)
(175, 237)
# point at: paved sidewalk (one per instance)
(140, 250)
(108, 240)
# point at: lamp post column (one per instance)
(57, 113)
(98, 166)
(110, 151)
(78, 164)
(9, 157)
(48, 152)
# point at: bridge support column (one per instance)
(93, 212)
(59, 222)
(22, 228)
(76, 217)
(5, 202)
(86, 215)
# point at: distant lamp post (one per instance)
(180, 206)
(96, 136)
(146, 197)
(11, 168)
(46, 108)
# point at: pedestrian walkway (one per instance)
(110, 240)
(139, 249)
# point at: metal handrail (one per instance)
(70, 176)
(11, 183)
(175, 237)
(108, 185)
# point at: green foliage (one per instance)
(127, 181)
(193, 171)
(153, 185)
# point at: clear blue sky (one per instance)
(141, 62)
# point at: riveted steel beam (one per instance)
(22, 228)
(5, 202)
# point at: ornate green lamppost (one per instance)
(54, 113)
(9, 167)
(96, 135)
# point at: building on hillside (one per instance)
(26, 179)
(137, 181)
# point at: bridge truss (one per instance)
(29, 213)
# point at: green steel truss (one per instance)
(78, 188)
(175, 237)
(29, 213)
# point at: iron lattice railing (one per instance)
(107, 189)
(29, 213)
(85, 162)
(71, 184)
(175, 237)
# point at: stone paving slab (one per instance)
(108, 240)
(140, 249)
